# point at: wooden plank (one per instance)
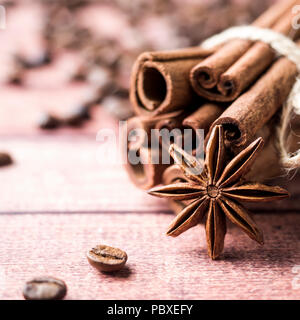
(158, 267)
(67, 173)
(75, 173)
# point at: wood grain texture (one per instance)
(67, 173)
(158, 267)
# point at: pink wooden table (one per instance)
(58, 200)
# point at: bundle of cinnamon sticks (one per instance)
(240, 85)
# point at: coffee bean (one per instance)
(77, 116)
(38, 61)
(82, 111)
(107, 259)
(5, 159)
(15, 79)
(121, 93)
(44, 288)
(48, 121)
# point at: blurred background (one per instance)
(62, 59)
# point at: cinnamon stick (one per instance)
(170, 122)
(267, 165)
(187, 123)
(160, 80)
(247, 114)
(238, 77)
(144, 175)
(202, 118)
(225, 74)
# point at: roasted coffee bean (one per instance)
(44, 288)
(73, 121)
(107, 259)
(43, 59)
(81, 74)
(48, 121)
(16, 80)
(121, 93)
(5, 159)
(82, 112)
(77, 116)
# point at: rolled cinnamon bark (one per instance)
(160, 80)
(170, 121)
(202, 118)
(239, 76)
(144, 175)
(252, 110)
(225, 74)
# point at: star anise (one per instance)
(216, 189)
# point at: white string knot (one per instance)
(283, 46)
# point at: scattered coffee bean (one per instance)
(81, 74)
(16, 80)
(77, 116)
(73, 121)
(121, 93)
(43, 59)
(107, 259)
(5, 159)
(83, 112)
(44, 288)
(48, 121)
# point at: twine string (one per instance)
(283, 46)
